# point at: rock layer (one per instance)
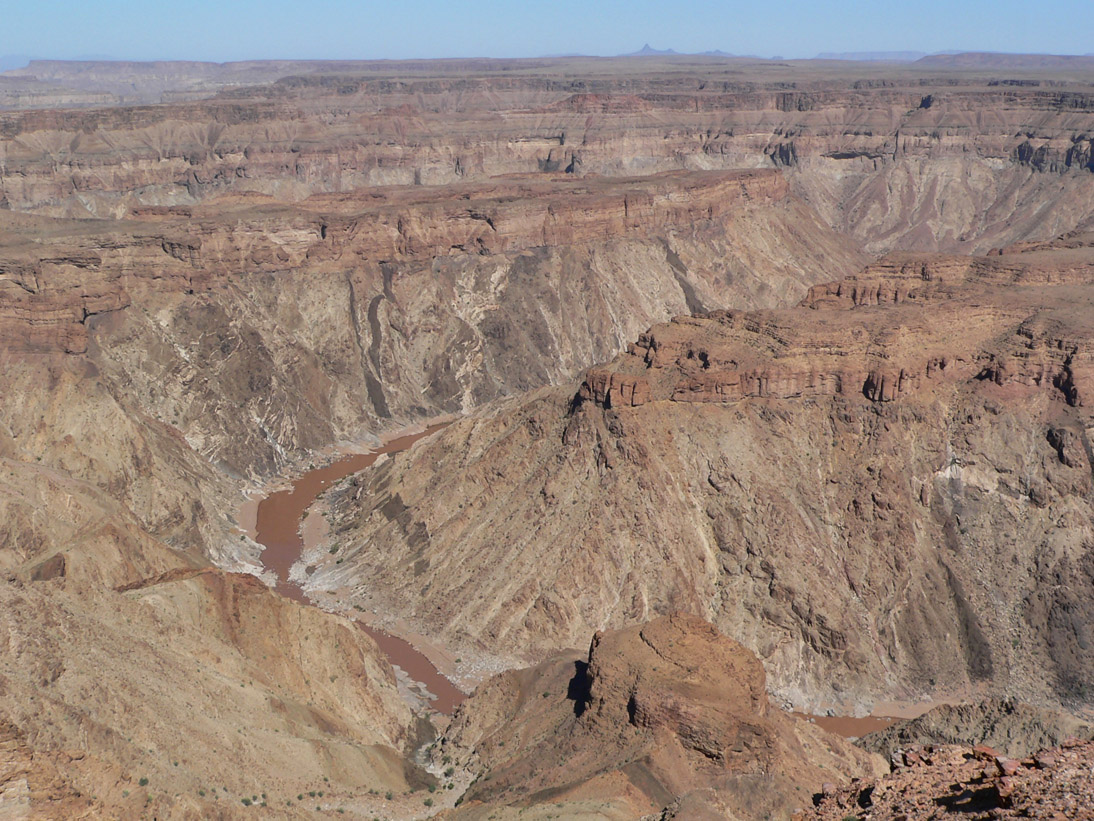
(911, 158)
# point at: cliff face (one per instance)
(911, 159)
(350, 312)
(837, 486)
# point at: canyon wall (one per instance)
(346, 314)
(885, 501)
(914, 159)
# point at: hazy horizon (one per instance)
(429, 29)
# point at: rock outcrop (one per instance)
(660, 716)
(972, 782)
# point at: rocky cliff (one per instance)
(835, 484)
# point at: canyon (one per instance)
(782, 369)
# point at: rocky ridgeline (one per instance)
(931, 325)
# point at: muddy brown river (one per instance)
(278, 528)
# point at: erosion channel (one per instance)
(278, 529)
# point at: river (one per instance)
(278, 529)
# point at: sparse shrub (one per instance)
(389, 795)
(143, 782)
(449, 772)
(428, 802)
(246, 802)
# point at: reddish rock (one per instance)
(1007, 766)
(1044, 760)
(984, 751)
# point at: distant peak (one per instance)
(647, 51)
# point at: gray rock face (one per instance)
(1014, 729)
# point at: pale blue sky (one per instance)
(249, 29)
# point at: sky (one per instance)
(223, 30)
